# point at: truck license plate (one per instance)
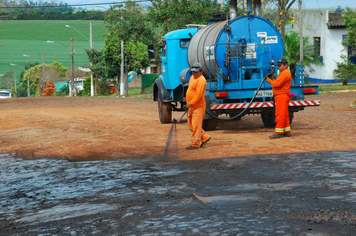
(265, 93)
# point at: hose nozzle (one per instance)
(269, 75)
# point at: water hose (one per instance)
(238, 115)
(181, 116)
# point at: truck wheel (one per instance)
(291, 116)
(164, 111)
(269, 120)
(210, 124)
(234, 114)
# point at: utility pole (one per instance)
(91, 46)
(122, 69)
(72, 80)
(91, 73)
(126, 82)
(43, 73)
(301, 47)
(15, 82)
(28, 80)
(300, 29)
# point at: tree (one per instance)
(176, 14)
(6, 80)
(292, 52)
(350, 23)
(345, 70)
(112, 57)
(339, 9)
(54, 72)
(64, 90)
(98, 67)
(136, 55)
(283, 14)
(129, 22)
(86, 87)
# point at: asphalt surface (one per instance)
(294, 194)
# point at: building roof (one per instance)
(84, 68)
(335, 21)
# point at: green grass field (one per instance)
(30, 37)
(336, 87)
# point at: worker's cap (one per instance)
(282, 61)
(196, 67)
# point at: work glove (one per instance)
(188, 105)
(270, 75)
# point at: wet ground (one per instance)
(293, 194)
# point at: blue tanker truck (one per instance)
(236, 55)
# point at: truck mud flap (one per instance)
(160, 91)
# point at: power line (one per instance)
(74, 5)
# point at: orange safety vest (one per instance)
(196, 91)
(281, 91)
(282, 84)
(195, 97)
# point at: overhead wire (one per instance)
(321, 13)
(72, 5)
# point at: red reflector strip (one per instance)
(231, 106)
(309, 90)
(221, 94)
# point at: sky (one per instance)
(306, 3)
(326, 3)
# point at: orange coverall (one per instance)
(195, 97)
(281, 91)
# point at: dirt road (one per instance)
(88, 128)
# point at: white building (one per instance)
(326, 30)
(78, 85)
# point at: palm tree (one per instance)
(292, 53)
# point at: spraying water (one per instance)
(171, 146)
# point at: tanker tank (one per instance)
(244, 42)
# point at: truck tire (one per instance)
(234, 114)
(269, 119)
(164, 111)
(210, 124)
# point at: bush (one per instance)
(64, 91)
(345, 70)
(22, 91)
(104, 86)
(86, 87)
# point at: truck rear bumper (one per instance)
(232, 106)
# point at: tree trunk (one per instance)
(292, 68)
(282, 15)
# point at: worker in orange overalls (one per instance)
(281, 92)
(196, 106)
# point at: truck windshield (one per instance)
(184, 43)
